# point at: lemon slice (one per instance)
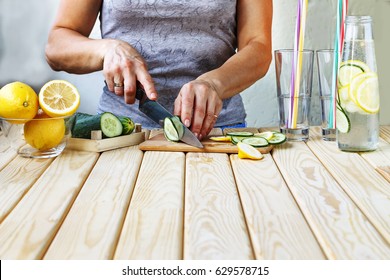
(221, 138)
(266, 134)
(59, 98)
(367, 94)
(350, 69)
(247, 151)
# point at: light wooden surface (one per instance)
(304, 200)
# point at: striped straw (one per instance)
(298, 51)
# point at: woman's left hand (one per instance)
(198, 105)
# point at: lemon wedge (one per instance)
(266, 134)
(59, 98)
(247, 151)
(221, 138)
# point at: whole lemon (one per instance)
(43, 132)
(18, 101)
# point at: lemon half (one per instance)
(59, 98)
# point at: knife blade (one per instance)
(157, 113)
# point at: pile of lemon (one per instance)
(42, 114)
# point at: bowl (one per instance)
(41, 137)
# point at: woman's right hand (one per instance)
(123, 66)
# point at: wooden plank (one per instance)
(385, 133)
(7, 153)
(277, 227)
(29, 229)
(107, 143)
(380, 159)
(153, 228)
(340, 227)
(91, 228)
(16, 179)
(365, 187)
(214, 226)
(369, 190)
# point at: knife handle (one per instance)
(140, 93)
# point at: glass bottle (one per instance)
(357, 114)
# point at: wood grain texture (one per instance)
(16, 179)
(91, 229)
(153, 228)
(385, 133)
(106, 144)
(379, 159)
(277, 227)
(215, 227)
(366, 188)
(340, 227)
(6, 152)
(29, 229)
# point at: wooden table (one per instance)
(302, 201)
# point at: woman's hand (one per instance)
(198, 105)
(123, 66)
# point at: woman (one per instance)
(194, 56)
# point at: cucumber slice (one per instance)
(236, 139)
(110, 125)
(278, 138)
(178, 125)
(170, 131)
(127, 124)
(342, 121)
(350, 69)
(256, 141)
(240, 133)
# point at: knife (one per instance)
(157, 113)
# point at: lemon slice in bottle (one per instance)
(350, 69)
(367, 93)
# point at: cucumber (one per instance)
(127, 124)
(278, 138)
(240, 133)
(110, 125)
(170, 131)
(342, 121)
(255, 141)
(84, 124)
(178, 125)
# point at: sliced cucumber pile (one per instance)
(173, 129)
(256, 140)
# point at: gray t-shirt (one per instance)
(180, 40)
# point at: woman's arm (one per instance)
(200, 101)
(254, 28)
(69, 49)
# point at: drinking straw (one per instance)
(297, 62)
(338, 48)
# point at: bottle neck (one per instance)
(358, 28)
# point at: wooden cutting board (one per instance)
(159, 143)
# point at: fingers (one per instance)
(122, 68)
(198, 105)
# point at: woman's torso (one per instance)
(180, 40)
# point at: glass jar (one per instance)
(357, 114)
